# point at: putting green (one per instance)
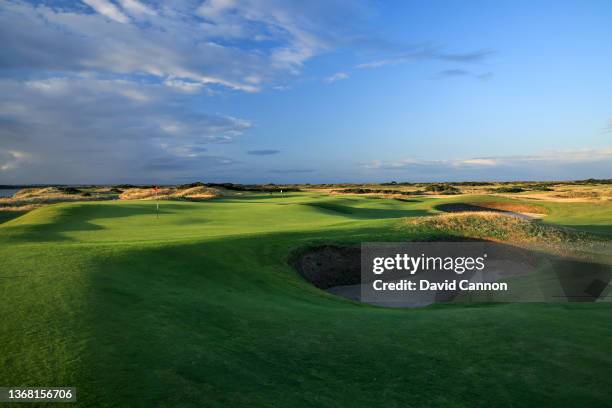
(199, 308)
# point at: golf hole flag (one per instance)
(156, 190)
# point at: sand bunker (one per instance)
(337, 270)
(329, 266)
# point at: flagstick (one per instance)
(156, 204)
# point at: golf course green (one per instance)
(199, 307)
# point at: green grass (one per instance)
(199, 308)
(589, 217)
(9, 215)
(592, 217)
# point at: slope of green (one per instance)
(590, 217)
(199, 308)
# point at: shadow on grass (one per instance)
(216, 312)
(408, 200)
(6, 216)
(601, 230)
(365, 213)
(71, 218)
(249, 197)
(465, 207)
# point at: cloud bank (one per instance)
(81, 129)
(241, 44)
(103, 90)
(553, 165)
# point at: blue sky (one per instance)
(250, 91)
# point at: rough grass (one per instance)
(546, 191)
(36, 192)
(192, 193)
(579, 194)
(493, 225)
(18, 206)
(47, 193)
(513, 207)
(199, 193)
(145, 194)
(503, 206)
(31, 198)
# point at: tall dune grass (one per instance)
(168, 193)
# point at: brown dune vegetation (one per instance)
(169, 193)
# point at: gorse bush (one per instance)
(540, 187)
(442, 189)
(69, 190)
(512, 189)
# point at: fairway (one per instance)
(201, 308)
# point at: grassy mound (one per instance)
(35, 192)
(189, 193)
(199, 193)
(30, 198)
(493, 225)
(145, 194)
(501, 206)
(47, 192)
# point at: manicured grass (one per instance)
(590, 217)
(9, 215)
(199, 308)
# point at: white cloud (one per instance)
(381, 63)
(562, 156)
(338, 76)
(242, 45)
(183, 86)
(557, 157)
(136, 8)
(108, 128)
(107, 9)
(479, 162)
(428, 52)
(553, 165)
(214, 8)
(301, 37)
(49, 85)
(399, 164)
(10, 159)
